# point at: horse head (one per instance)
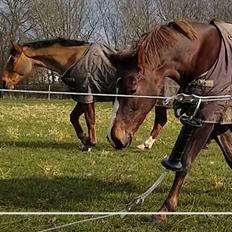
(18, 65)
(158, 54)
(130, 112)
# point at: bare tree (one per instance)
(124, 21)
(16, 14)
(14, 25)
(198, 10)
(221, 10)
(116, 23)
(63, 18)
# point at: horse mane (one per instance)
(50, 42)
(150, 45)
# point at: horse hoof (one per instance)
(144, 146)
(87, 148)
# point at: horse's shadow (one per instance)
(41, 144)
(60, 194)
(52, 145)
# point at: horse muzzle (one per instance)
(119, 140)
(7, 85)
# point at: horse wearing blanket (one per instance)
(84, 68)
(198, 57)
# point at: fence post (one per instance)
(49, 94)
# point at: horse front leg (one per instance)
(91, 124)
(197, 141)
(159, 122)
(78, 110)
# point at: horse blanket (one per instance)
(93, 73)
(220, 78)
(170, 88)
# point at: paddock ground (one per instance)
(43, 169)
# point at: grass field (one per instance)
(43, 169)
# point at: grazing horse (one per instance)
(198, 57)
(73, 60)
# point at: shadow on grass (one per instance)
(41, 144)
(52, 145)
(61, 194)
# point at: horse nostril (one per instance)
(115, 141)
(123, 142)
(118, 144)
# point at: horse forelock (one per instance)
(150, 45)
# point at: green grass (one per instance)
(43, 169)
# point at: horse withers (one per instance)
(198, 57)
(76, 61)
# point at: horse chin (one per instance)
(121, 146)
(128, 142)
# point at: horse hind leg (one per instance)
(91, 124)
(223, 138)
(74, 118)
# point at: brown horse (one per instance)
(198, 57)
(59, 55)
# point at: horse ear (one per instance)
(17, 47)
(113, 58)
(141, 69)
(125, 56)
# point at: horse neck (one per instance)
(55, 58)
(195, 57)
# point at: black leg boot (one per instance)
(173, 162)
